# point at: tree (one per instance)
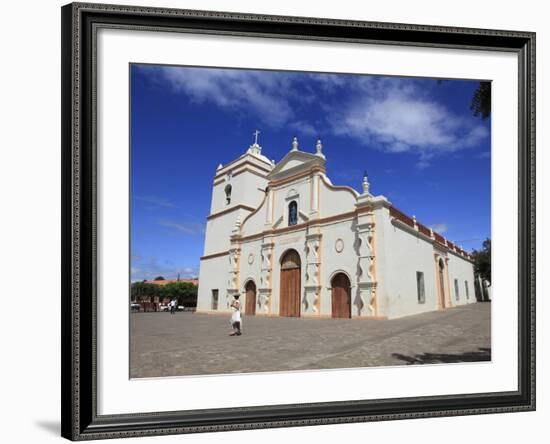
(140, 291)
(481, 100)
(184, 292)
(482, 260)
(480, 104)
(159, 278)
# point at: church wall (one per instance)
(383, 271)
(335, 200)
(219, 202)
(251, 189)
(218, 231)
(284, 242)
(213, 275)
(333, 262)
(254, 223)
(405, 254)
(246, 189)
(461, 270)
(251, 252)
(282, 196)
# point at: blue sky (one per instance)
(416, 138)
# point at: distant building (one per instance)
(293, 244)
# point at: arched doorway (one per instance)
(441, 268)
(341, 296)
(250, 302)
(289, 299)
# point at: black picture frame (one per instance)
(80, 420)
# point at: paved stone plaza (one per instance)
(191, 344)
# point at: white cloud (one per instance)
(397, 117)
(439, 228)
(150, 268)
(262, 93)
(304, 128)
(156, 201)
(393, 114)
(184, 227)
(484, 155)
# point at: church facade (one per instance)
(291, 243)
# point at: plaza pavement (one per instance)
(187, 343)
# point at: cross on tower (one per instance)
(255, 133)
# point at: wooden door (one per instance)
(250, 303)
(289, 300)
(341, 296)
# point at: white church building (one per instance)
(291, 243)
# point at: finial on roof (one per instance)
(220, 166)
(366, 184)
(295, 144)
(319, 148)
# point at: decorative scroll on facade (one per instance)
(312, 285)
(233, 279)
(367, 264)
(266, 264)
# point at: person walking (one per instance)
(236, 320)
(172, 306)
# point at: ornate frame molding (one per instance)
(80, 22)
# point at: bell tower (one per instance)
(238, 189)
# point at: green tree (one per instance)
(481, 100)
(482, 260)
(159, 278)
(184, 292)
(140, 291)
(480, 104)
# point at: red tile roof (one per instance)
(399, 215)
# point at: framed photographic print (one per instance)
(278, 221)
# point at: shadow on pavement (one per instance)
(484, 354)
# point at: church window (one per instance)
(228, 194)
(293, 213)
(214, 299)
(420, 287)
(467, 290)
(456, 289)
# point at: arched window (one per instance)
(227, 194)
(292, 213)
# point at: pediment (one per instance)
(294, 162)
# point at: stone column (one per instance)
(451, 302)
(233, 279)
(367, 265)
(312, 285)
(268, 209)
(314, 194)
(265, 287)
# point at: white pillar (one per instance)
(315, 194)
(268, 210)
